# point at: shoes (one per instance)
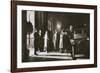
(35, 53)
(74, 58)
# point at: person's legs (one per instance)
(45, 49)
(35, 50)
(73, 52)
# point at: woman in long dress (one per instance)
(54, 39)
(45, 41)
(61, 41)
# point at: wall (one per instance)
(5, 36)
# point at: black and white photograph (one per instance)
(54, 36)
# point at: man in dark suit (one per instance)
(57, 41)
(50, 42)
(66, 43)
(36, 42)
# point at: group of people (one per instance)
(52, 41)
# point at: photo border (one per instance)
(14, 35)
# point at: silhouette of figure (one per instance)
(36, 42)
(46, 41)
(40, 39)
(61, 41)
(50, 41)
(55, 40)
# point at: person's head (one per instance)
(40, 32)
